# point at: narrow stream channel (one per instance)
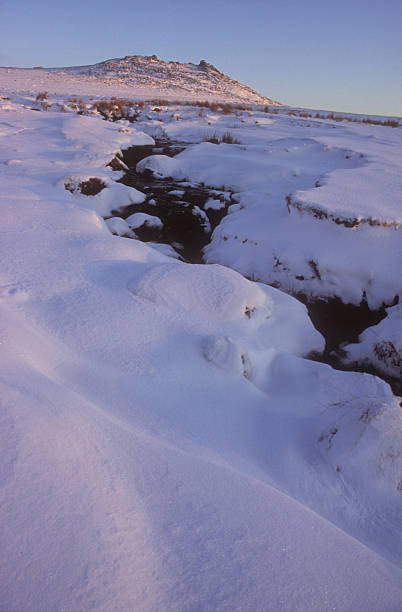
(188, 222)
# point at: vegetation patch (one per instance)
(90, 187)
(350, 222)
(227, 138)
(386, 352)
(337, 117)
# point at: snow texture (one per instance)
(161, 166)
(139, 219)
(119, 227)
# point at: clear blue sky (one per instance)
(340, 55)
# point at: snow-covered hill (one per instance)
(137, 75)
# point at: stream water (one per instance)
(180, 205)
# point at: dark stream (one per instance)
(180, 205)
(186, 228)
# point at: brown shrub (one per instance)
(227, 138)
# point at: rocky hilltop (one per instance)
(188, 80)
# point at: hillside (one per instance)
(137, 75)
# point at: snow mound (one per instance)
(139, 219)
(217, 300)
(161, 166)
(166, 249)
(119, 227)
(112, 195)
(359, 195)
(101, 141)
(213, 204)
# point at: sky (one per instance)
(344, 55)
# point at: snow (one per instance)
(380, 345)
(161, 166)
(119, 227)
(165, 443)
(214, 204)
(166, 249)
(197, 212)
(112, 196)
(218, 300)
(140, 219)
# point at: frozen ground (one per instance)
(165, 443)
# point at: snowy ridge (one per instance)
(141, 75)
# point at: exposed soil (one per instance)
(90, 187)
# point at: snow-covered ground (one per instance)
(165, 443)
(319, 203)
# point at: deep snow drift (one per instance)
(165, 443)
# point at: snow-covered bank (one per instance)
(165, 445)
